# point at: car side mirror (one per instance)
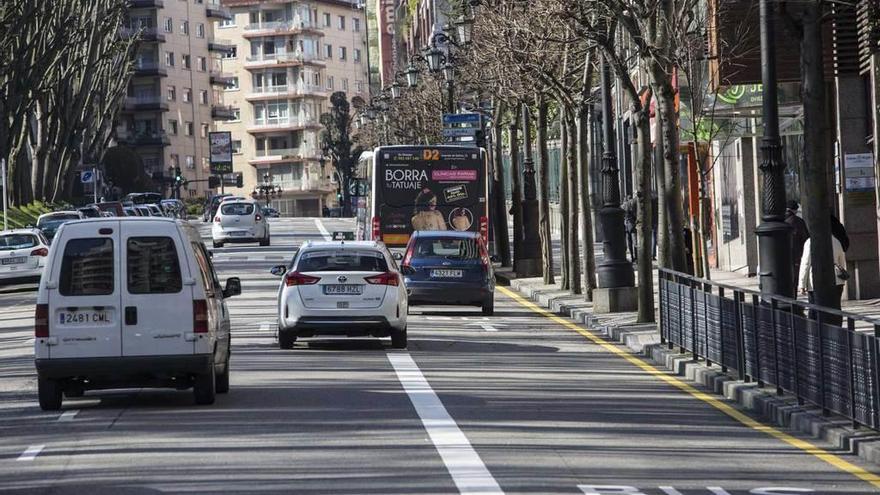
(494, 258)
(397, 256)
(278, 270)
(233, 287)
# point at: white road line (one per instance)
(323, 230)
(462, 461)
(31, 453)
(68, 416)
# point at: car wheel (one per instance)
(222, 380)
(265, 241)
(286, 340)
(489, 307)
(205, 388)
(49, 392)
(398, 339)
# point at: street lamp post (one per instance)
(774, 235)
(266, 190)
(529, 264)
(616, 279)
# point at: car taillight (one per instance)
(200, 316)
(41, 321)
(217, 219)
(40, 252)
(407, 257)
(297, 278)
(484, 229)
(387, 278)
(258, 218)
(377, 235)
(484, 256)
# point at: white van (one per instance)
(131, 302)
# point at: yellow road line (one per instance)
(713, 401)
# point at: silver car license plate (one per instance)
(343, 290)
(14, 261)
(446, 273)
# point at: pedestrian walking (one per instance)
(805, 284)
(799, 235)
(630, 219)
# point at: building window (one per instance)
(328, 52)
(190, 161)
(188, 129)
(360, 86)
(205, 130)
(231, 53)
(172, 129)
(200, 30)
(326, 19)
(316, 79)
(187, 61)
(175, 160)
(172, 93)
(169, 25)
(341, 23)
(206, 164)
(343, 53)
(203, 97)
(187, 95)
(233, 85)
(227, 23)
(357, 55)
(236, 146)
(169, 59)
(203, 63)
(236, 115)
(184, 27)
(356, 24)
(329, 82)
(345, 84)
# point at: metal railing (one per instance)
(822, 356)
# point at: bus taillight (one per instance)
(377, 235)
(484, 229)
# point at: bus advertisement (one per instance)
(411, 188)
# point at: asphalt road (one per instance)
(515, 403)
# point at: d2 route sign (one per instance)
(461, 118)
(87, 176)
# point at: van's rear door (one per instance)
(84, 292)
(157, 297)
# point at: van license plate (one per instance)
(85, 317)
(14, 261)
(446, 273)
(343, 290)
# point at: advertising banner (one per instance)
(221, 152)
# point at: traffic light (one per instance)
(239, 180)
(213, 182)
(480, 138)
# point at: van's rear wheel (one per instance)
(265, 241)
(398, 339)
(205, 388)
(49, 392)
(222, 380)
(286, 340)
(218, 244)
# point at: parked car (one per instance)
(240, 221)
(155, 210)
(48, 223)
(115, 207)
(271, 212)
(22, 254)
(129, 212)
(96, 320)
(448, 267)
(341, 289)
(143, 211)
(90, 211)
(174, 208)
(211, 206)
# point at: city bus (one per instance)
(413, 187)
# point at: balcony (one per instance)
(143, 138)
(221, 46)
(265, 60)
(288, 91)
(150, 34)
(222, 79)
(222, 112)
(291, 124)
(144, 104)
(282, 155)
(146, 4)
(149, 69)
(295, 26)
(216, 11)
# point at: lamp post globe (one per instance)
(465, 26)
(412, 76)
(434, 56)
(448, 72)
(395, 90)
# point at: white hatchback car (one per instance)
(240, 221)
(22, 253)
(349, 289)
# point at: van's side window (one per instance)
(87, 268)
(153, 267)
(209, 280)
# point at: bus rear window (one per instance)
(87, 268)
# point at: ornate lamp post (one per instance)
(266, 190)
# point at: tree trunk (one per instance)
(644, 212)
(502, 236)
(543, 192)
(672, 195)
(663, 259)
(589, 257)
(516, 196)
(565, 280)
(574, 271)
(815, 167)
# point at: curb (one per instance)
(644, 339)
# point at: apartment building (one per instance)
(175, 95)
(288, 58)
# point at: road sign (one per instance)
(87, 176)
(461, 118)
(459, 131)
(220, 159)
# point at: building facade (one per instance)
(174, 97)
(288, 57)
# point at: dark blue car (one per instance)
(449, 267)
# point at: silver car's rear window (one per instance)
(342, 261)
(9, 242)
(237, 209)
